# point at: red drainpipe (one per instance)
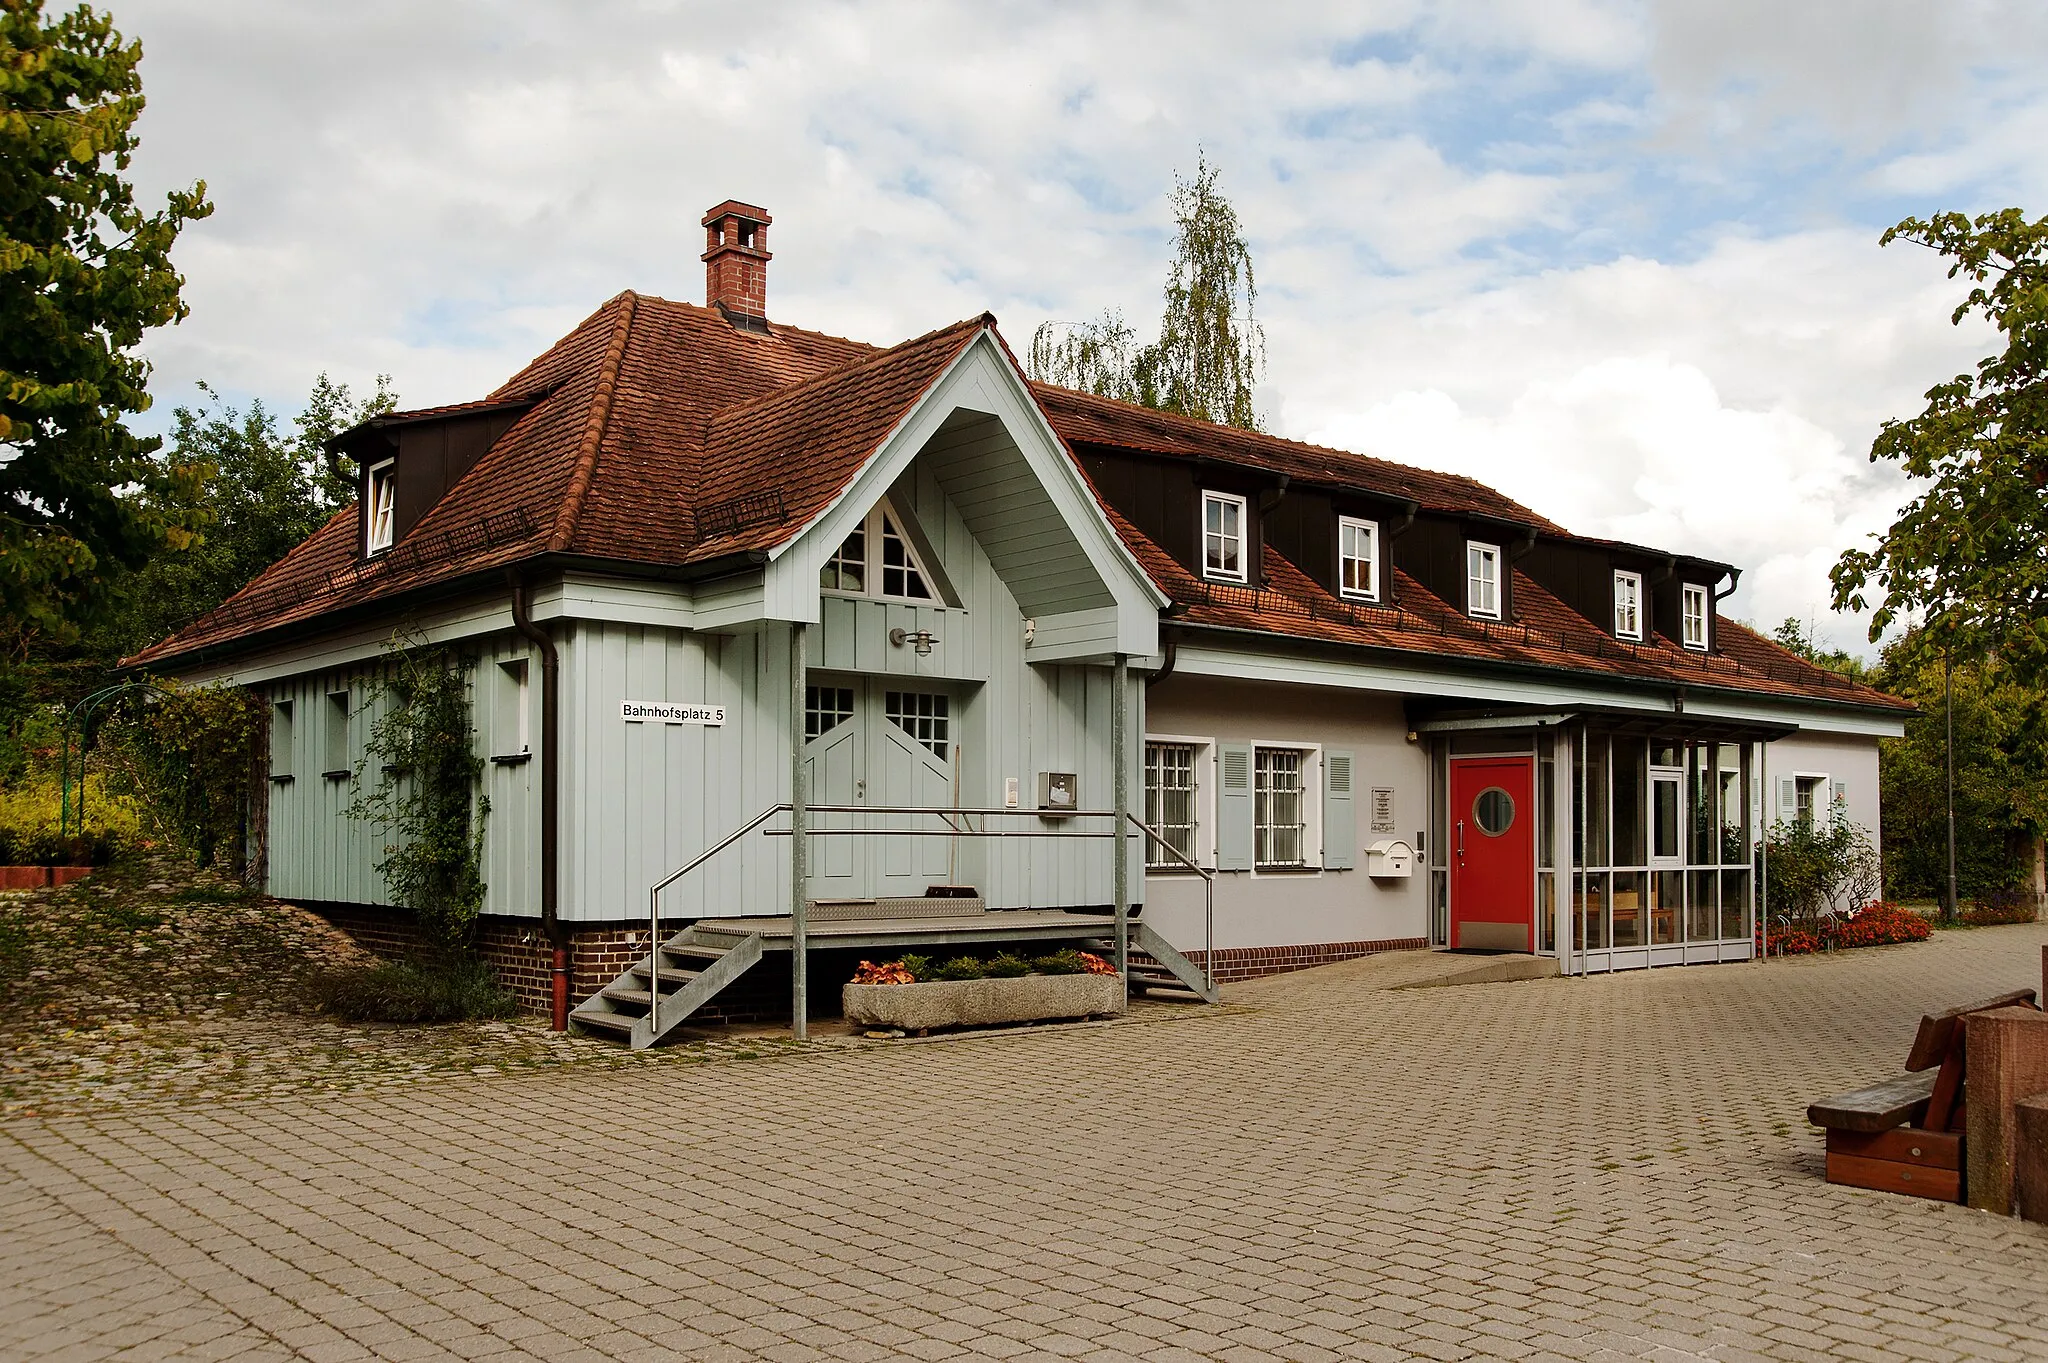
(550, 798)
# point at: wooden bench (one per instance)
(1904, 1135)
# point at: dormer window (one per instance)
(1628, 606)
(1482, 580)
(1223, 537)
(1358, 558)
(877, 560)
(382, 501)
(1692, 617)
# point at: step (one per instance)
(669, 974)
(695, 951)
(621, 994)
(618, 1023)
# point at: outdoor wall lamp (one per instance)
(921, 640)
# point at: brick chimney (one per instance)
(736, 260)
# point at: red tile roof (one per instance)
(662, 435)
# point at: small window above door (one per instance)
(878, 559)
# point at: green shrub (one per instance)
(454, 989)
(920, 967)
(1067, 962)
(2000, 906)
(1006, 966)
(961, 968)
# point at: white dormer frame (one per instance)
(1694, 617)
(1628, 605)
(1230, 531)
(882, 524)
(380, 496)
(1482, 580)
(1358, 542)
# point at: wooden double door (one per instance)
(877, 743)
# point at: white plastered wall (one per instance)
(1848, 758)
(1294, 908)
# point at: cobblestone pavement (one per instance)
(149, 984)
(1614, 1168)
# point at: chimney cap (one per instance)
(733, 208)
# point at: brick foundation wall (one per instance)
(598, 954)
(1249, 963)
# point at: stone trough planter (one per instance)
(981, 1003)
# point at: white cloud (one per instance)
(1488, 234)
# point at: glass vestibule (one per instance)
(1661, 839)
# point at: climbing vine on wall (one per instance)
(419, 779)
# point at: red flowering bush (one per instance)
(1095, 965)
(888, 972)
(1795, 942)
(1882, 924)
(1877, 925)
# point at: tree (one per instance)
(1966, 556)
(2001, 776)
(263, 492)
(1210, 348)
(1791, 635)
(84, 272)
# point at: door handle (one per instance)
(1461, 840)
(860, 790)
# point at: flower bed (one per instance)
(1877, 925)
(917, 996)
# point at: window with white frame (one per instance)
(1223, 537)
(877, 559)
(1482, 580)
(1279, 813)
(1171, 791)
(1628, 605)
(1692, 615)
(924, 716)
(1808, 792)
(383, 504)
(1358, 558)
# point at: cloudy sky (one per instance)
(1617, 259)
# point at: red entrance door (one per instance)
(1493, 852)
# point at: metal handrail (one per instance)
(1208, 896)
(654, 907)
(940, 811)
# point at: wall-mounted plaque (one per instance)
(1382, 810)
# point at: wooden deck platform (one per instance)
(862, 934)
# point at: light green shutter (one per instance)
(1788, 800)
(1234, 807)
(1340, 817)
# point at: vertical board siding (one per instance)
(317, 852)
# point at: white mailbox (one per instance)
(1389, 857)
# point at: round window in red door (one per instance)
(1494, 811)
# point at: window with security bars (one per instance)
(1170, 802)
(826, 708)
(1277, 824)
(922, 715)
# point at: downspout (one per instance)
(1516, 553)
(1165, 669)
(1734, 581)
(550, 799)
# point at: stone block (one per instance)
(2030, 1157)
(2008, 1061)
(981, 1003)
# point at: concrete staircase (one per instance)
(688, 970)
